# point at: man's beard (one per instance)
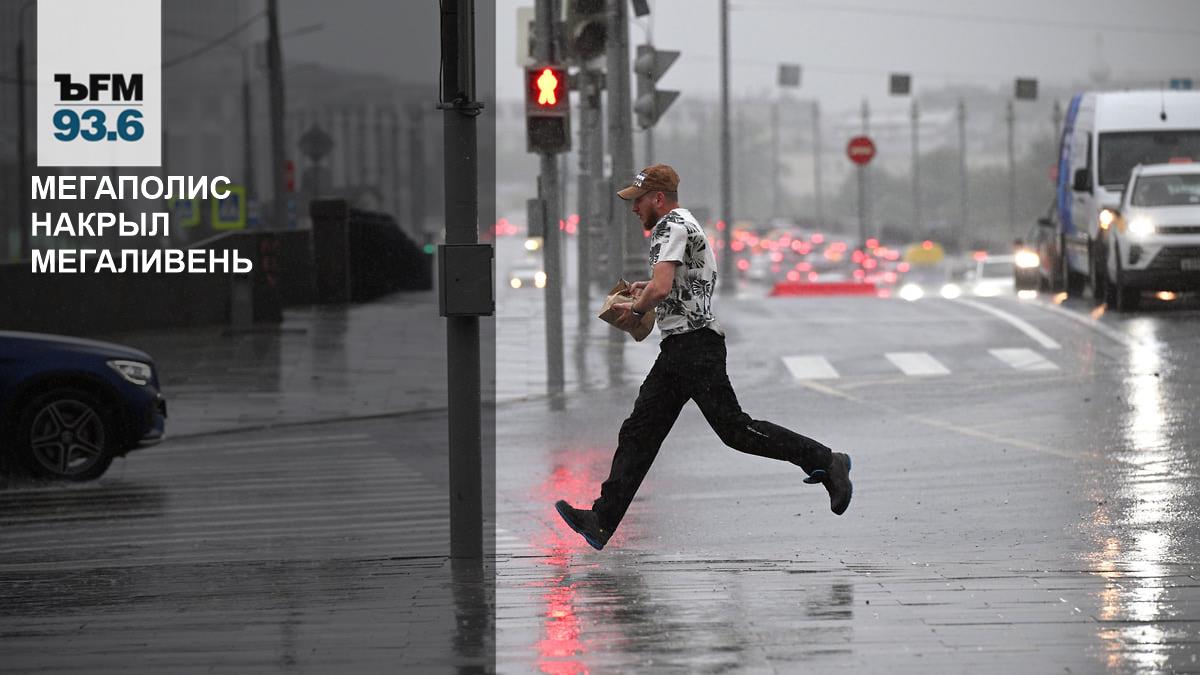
(650, 218)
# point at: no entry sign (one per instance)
(860, 150)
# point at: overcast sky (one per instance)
(847, 48)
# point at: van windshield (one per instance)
(1120, 152)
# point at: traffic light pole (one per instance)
(620, 139)
(548, 186)
(278, 154)
(462, 332)
(591, 165)
(962, 174)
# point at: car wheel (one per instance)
(66, 434)
(1127, 299)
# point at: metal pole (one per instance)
(551, 246)
(729, 288)
(278, 154)
(462, 332)
(816, 121)
(1011, 117)
(247, 130)
(775, 156)
(916, 166)
(862, 179)
(621, 121)
(23, 188)
(963, 226)
(590, 166)
(620, 142)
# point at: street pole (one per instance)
(620, 140)
(816, 131)
(862, 179)
(916, 166)
(729, 288)
(548, 185)
(1056, 116)
(462, 332)
(962, 173)
(591, 164)
(278, 154)
(23, 183)
(1011, 118)
(247, 131)
(775, 156)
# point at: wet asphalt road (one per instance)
(1026, 498)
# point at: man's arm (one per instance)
(657, 288)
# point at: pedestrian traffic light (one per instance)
(649, 67)
(547, 110)
(587, 29)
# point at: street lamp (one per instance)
(22, 149)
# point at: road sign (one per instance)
(789, 74)
(900, 84)
(230, 213)
(1181, 83)
(315, 143)
(860, 150)
(1026, 89)
(186, 212)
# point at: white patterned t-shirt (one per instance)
(688, 307)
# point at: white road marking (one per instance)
(1023, 359)
(1038, 336)
(917, 363)
(810, 368)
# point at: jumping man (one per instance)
(690, 366)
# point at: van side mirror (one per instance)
(1082, 180)
(1044, 221)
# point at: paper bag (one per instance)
(620, 293)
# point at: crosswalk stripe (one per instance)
(1023, 359)
(917, 363)
(810, 367)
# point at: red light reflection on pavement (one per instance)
(576, 477)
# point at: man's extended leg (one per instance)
(708, 384)
(654, 413)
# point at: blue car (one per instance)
(69, 406)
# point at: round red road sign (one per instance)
(860, 149)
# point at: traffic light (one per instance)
(587, 29)
(649, 67)
(547, 110)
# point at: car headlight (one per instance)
(514, 282)
(951, 291)
(911, 292)
(1140, 227)
(133, 371)
(539, 279)
(1026, 259)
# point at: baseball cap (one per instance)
(657, 178)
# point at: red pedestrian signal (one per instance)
(547, 84)
(547, 110)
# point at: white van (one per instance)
(1104, 136)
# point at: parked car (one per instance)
(69, 406)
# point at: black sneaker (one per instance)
(837, 481)
(585, 523)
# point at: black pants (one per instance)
(691, 366)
